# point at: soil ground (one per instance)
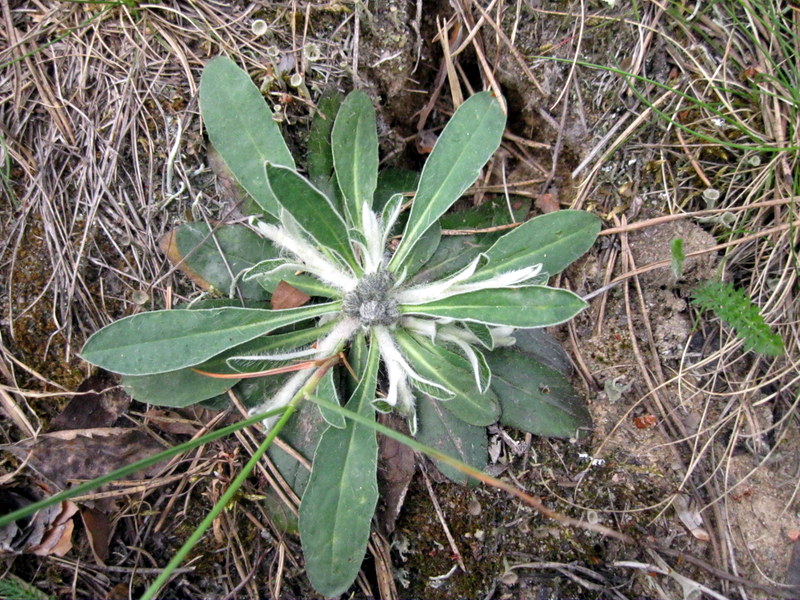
(666, 121)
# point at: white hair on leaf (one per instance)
(311, 259)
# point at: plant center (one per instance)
(372, 302)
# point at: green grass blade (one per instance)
(221, 504)
(168, 340)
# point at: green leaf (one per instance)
(555, 240)
(529, 306)
(355, 153)
(467, 142)
(311, 209)
(735, 307)
(535, 398)
(391, 181)
(327, 391)
(491, 213)
(186, 386)
(453, 254)
(544, 348)
(442, 430)
(320, 155)
(482, 332)
(338, 504)
(270, 273)
(302, 433)
(454, 373)
(423, 250)
(241, 127)
(678, 256)
(180, 388)
(168, 340)
(240, 247)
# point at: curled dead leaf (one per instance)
(288, 296)
(645, 421)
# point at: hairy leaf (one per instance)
(186, 386)
(355, 153)
(535, 398)
(338, 504)
(168, 340)
(553, 240)
(467, 142)
(454, 373)
(313, 211)
(529, 306)
(451, 255)
(241, 127)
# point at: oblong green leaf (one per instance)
(186, 386)
(529, 306)
(241, 127)
(228, 251)
(168, 340)
(466, 143)
(339, 501)
(311, 209)
(553, 240)
(454, 373)
(327, 391)
(441, 429)
(535, 398)
(423, 250)
(354, 141)
(320, 154)
(302, 433)
(453, 254)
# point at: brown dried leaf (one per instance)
(100, 404)
(229, 188)
(171, 422)
(398, 465)
(169, 246)
(98, 530)
(547, 203)
(64, 456)
(57, 539)
(288, 296)
(690, 517)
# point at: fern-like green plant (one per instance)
(14, 588)
(734, 307)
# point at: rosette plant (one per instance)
(398, 318)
